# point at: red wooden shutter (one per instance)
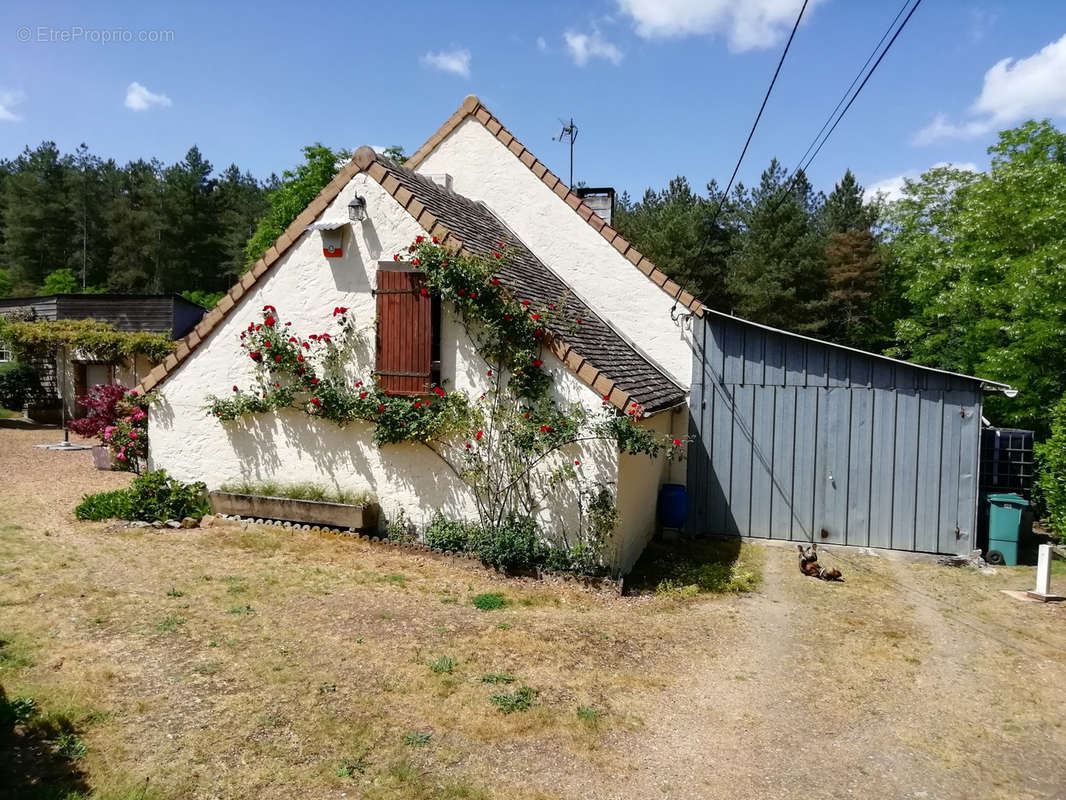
(405, 333)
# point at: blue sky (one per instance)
(657, 87)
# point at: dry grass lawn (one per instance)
(251, 662)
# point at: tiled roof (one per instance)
(473, 108)
(597, 354)
(591, 348)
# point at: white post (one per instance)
(1043, 571)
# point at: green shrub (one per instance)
(513, 546)
(446, 534)
(18, 386)
(155, 496)
(1051, 474)
(105, 505)
(152, 497)
(521, 699)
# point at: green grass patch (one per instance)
(692, 567)
(497, 677)
(417, 738)
(171, 622)
(14, 653)
(241, 610)
(521, 699)
(443, 665)
(589, 715)
(489, 601)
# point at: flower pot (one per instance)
(309, 512)
(102, 458)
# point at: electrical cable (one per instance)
(758, 116)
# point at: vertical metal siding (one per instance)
(794, 437)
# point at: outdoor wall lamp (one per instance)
(357, 209)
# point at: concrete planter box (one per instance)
(310, 512)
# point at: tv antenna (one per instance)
(569, 131)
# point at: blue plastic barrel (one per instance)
(673, 505)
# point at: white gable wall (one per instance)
(291, 447)
(483, 169)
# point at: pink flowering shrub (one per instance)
(101, 401)
(118, 418)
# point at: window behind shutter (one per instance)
(405, 333)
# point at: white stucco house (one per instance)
(472, 184)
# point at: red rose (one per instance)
(495, 281)
(490, 373)
(478, 435)
(254, 355)
(300, 358)
(497, 255)
(381, 408)
(462, 292)
(578, 320)
(537, 362)
(292, 338)
(388, 393)
(419, 239)
(269, 308)
(435, 240)
(677, 442)
(577, 463)
(468, 445)
(362, 396)
(416, 262)
(314, 381)
(235, 389)
(277, 359)
(307, 346)
(396, 257)
(535, 316)
(266, 344)
(288, 323)
(269, 320)
(316, 401)
(424, 291)
(313, 336)
(525, 302)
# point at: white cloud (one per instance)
(584, 47)
(892, 188)
(139, 98)
(7, 100)
(456, 61)
(1013, 90)
(541, 44)
(746, 24)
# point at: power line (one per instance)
(805, 165)
(854, 80)
(758, 116)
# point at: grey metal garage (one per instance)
(803, 440)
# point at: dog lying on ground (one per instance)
(808, 564)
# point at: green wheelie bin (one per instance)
(1004, 528)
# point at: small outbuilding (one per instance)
(808, 441)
